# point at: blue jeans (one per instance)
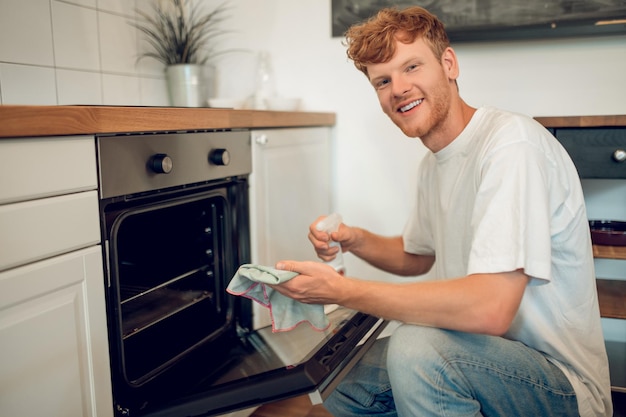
(421, 371)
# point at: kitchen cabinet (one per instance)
(53, 327)
(596, 145)
(53, 334)
(290, 186)
(54, 358)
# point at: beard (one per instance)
(430, 116)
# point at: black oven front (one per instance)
(174, 213)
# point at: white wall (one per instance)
(83, 52)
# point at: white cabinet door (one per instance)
(289, 188)
(53, 340)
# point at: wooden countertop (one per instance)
(28, 121)
(25, 121)
(583, 121)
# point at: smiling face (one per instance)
(418, 92)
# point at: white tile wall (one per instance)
(124, 7)
(75, 34)
(118, 43)
(40, 81)
(86, 3)
(120, 90)
(79, 87)
(76, 52)
(148, 66)
(144, 5)
(26, 32)
(155, 89)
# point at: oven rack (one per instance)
(156, 305)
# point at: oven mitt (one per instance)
(286, 313)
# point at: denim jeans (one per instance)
(421, 371)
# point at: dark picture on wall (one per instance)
(482, 20)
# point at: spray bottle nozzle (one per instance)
(331, 224)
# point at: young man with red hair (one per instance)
(510, 324)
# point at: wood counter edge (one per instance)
(582, 121)
(32, 121)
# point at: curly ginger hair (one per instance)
(373, 41)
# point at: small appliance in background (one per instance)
(608, 232)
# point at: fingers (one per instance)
(317, 235)
(320, 241)
(303, 267)
(286, 266)
(294, 266)
(324, 251)
(323, 241)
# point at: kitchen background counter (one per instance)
(583, 121)
(21, 121)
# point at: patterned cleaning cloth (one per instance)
(250, 281)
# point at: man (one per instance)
(510, 325)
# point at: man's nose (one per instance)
(400, 86)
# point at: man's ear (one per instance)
(450, 63)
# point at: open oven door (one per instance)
(264, 367)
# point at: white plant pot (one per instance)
(187, 85)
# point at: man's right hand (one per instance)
(322, 239)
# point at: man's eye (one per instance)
(381, 83)
(411, 68)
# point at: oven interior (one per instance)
(169, 262)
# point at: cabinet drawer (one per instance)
(593, 150)
(41, 167)
(38, 229)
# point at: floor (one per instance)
(293, 407)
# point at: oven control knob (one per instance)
(619, 155)
(219, 157)
(161, 163)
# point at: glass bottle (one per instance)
(265, 87)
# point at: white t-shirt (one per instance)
(505, 195)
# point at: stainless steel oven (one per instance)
(175, 226)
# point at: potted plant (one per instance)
(182, 37)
